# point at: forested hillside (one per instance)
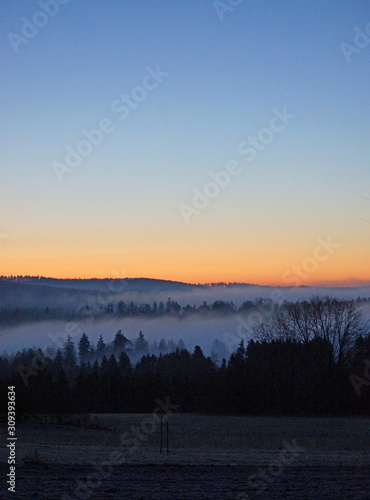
(308, 358)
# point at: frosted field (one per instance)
(210, 457)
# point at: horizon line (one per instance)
(345, 283)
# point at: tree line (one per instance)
(10, 316)
(306, 358)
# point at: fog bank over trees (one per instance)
(34, 311)
(307, 358)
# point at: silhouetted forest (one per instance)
(11, 316)
(26, 299)
(307, 358)
(16, 315)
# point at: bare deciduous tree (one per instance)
(338, 322)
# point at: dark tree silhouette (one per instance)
(69, 354)
(84, 348)
(141, 345)
(121, 342)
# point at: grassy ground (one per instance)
(207, 432)
(333, 454)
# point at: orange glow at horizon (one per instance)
(259, 269)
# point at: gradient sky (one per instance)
(118, 211)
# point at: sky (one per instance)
(193, 140)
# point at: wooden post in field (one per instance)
(165, 425)
(161, 416)
(167, 440)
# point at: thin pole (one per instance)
(167, 428)
(160, 447)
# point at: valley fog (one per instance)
(83, 307)
(192, 331)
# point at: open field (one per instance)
(210, 457)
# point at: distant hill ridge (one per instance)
(35, 291)
(128, 284)
(54, 298)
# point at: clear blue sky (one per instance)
(120, 206)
